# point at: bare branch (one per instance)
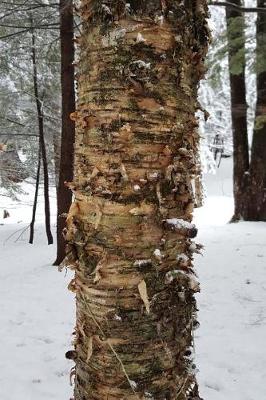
(236, 7)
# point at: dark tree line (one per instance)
(249, 164)
(23, 23)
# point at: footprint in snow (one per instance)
(60, 374)
(36, 380)
(213, 386)
(45, 340)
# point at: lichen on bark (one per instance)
(136, 158)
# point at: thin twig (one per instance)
(12, 234)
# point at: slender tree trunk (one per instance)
(42, 141)
(35, 201)
(256, 204)
(236, 45)
(57, 151)
(64, 195)
(129, 228)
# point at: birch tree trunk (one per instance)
(129, 229)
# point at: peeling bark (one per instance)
(129, 231)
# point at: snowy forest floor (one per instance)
(37, 311)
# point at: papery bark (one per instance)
(129, 228)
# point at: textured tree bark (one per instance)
(238, 110)
(64, 195)
(256, 194)
(129, 228)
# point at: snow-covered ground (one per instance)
(37, 311)
(230, 344)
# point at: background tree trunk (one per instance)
(256, 199)
(35, 201)
(236, 45)
(64, 195)
(41, 139)
(129, 228)
(57, 151)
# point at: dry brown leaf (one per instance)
(90, 121)
(144, 209)
(125, 133)
(74, 210)
(96, 207)
(3, 147)
(72, 286)
(149, 104)
(90, 349)
(74, 116)
(124, 173)
(98, 275)
(98, 218)
(80, 328)
(167, 151)
(142, 287)
(94, 173)
(97, 271)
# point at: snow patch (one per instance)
(136, 188)
(142, 263)
(157, 254)
(178, 223)
(142, 64)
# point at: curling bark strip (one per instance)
(129, 228)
